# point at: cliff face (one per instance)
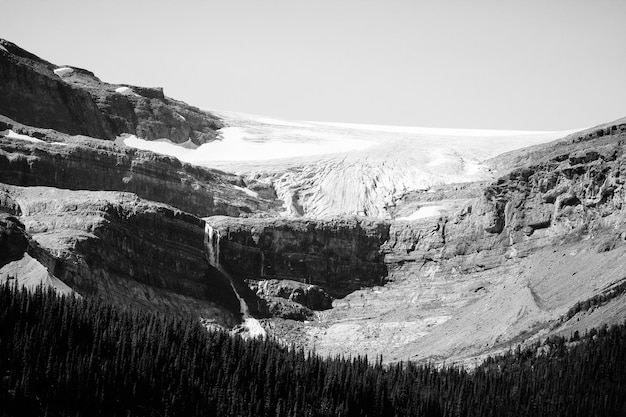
(119, 247)
(75, 101)
(496, 264)
(573, 190)
(339, 255)
(506, 267)
(575, 186)
(80, 163)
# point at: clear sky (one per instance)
(500, 64)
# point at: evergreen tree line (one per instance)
(65, 356)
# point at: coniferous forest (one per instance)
(65, 356)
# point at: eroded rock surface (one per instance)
(495, 270)
(339, 255)
(13, 239)
(53, 159)
(291, 299)
(125, 249)
(74, 101)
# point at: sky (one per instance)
(500, 64)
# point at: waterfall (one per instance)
(212, 245)
(250, 326)
(212, 252)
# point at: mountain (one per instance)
(74, 101)
(414, 243)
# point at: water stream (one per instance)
(250, 325)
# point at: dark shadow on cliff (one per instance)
(257, 307)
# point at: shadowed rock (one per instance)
(339, 255)
(13, 240)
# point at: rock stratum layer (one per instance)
(53, 159)
(120, 247)
(339, 255)
(74, 101)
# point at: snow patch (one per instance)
(435, 131)
(126, 91)
(63, 71)
(247, 191)
(2, 48)
(164, 146)
(258, 119)
(237, 145)
(276, 122)
(422, 213)
(474, 167)
(188, 144)
(11, 134)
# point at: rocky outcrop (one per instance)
(279, 307)
(494, 270)
(308, 295)
(124, 249)
(13, 240)
(80, 163)
(75, 101)
(339, 255)
(598, 135)
(574, 187)
(562, 191)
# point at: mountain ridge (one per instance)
(439, 269)
(74, 101)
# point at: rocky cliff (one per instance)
(505, 267)
(471, 270)
(13, 239)
(576, 186)
(339, 255)
(125, 247)
(121, 248)
(498, 264)
(564, 192)
(49, 158)
(74, 101)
